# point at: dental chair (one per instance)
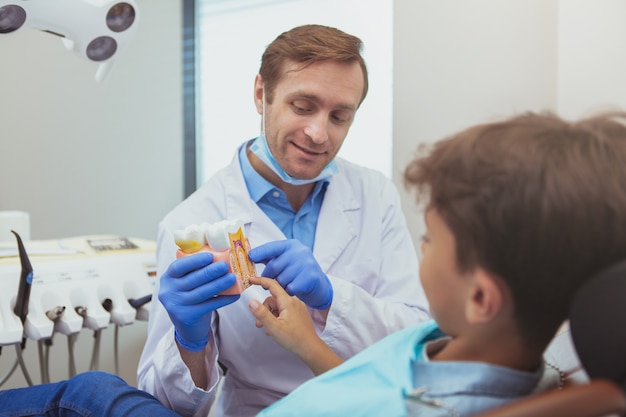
(598, 332)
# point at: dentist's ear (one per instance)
(486, 298)
(258, 94)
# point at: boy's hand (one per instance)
(285, 318)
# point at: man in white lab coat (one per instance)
(330, 232)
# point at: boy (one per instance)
(519, 214)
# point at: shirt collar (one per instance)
(447, 378)
(258, 186)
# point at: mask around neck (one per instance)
(261, 149)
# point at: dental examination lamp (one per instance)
(95, 29)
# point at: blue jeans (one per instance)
(90, 394)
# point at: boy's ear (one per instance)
(486, 298)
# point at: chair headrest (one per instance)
(598, 324)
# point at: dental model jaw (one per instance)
(225, 240)
(190, 239)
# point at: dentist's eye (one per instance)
(301, 107)
(341, 118)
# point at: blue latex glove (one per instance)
(292, 264)
(188, 291)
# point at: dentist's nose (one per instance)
(317, 130)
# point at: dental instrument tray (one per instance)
(80, 274)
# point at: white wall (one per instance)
(84, 157)
(87, 158)
(458, 63)
(592, 63)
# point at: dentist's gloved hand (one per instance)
(292, 264)
(188, 291)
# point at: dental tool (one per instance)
(23, 298)
(26, 281)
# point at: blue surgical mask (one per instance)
(261, 149)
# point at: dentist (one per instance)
(330, 232)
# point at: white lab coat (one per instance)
(362, 244)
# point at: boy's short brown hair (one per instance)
(536, 200)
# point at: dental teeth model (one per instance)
(226, 241)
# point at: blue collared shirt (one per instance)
(299, 225)
(395, 378)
